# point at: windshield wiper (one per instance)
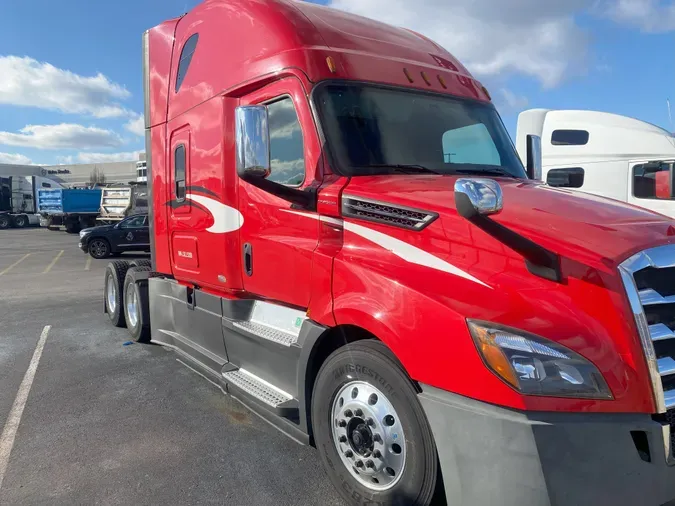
(496, 171)
(410, 168)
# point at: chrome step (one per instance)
(256, 387)
(266, 332)
(660, 332)
(666, 366)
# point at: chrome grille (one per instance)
(389, 214)
(649, 278)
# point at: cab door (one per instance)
(651, 185)
(277, 240)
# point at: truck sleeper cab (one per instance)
(343, 237)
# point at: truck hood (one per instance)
(576, 225)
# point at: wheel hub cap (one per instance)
(111, 294)
(368, 435)
(132, 306)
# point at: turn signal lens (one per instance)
(537, 366)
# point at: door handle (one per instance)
(248, 259)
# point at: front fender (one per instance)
(430, 339)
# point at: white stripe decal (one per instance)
(225, 218)
(401, 249)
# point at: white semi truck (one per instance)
(605, 154)
(18, 198)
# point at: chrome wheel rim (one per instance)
(111, 294)
(98, 248)
(132, 305)
(368, 435)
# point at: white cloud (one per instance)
(136, 126)
(15, 159)
(648, 15)
(28, 82)
(63, 136)
(508, 101)
(130, 156)
(536, 38)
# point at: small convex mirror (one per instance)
(253, 142)
(475, 196)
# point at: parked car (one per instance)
(131, 234)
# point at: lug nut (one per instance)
(349, 454)
(377, 454)
(359, 463)
(343, 439)
(377, 438)
(348, 413)
(370, 464)
(370, 422)
(358, 413)
(342, 423)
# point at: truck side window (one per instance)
(569, 138)
(287, 152)
(572, 177)
(652, 181)
(179, 172)
(185, 59)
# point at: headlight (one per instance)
(83, 233)
(536, 366)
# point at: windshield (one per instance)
(376, 130)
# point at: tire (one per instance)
(21, 221)
(5, 221)
(99, 248)
(143, 262)
(114, 297)
(137, 304)
(72, 228)
(406, 467)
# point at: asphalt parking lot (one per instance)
(105, 423)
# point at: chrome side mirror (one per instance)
(474, 196)
(253, 142)
(534, 157)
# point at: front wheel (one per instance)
(373, 436)
(4, 222)
(99, 248)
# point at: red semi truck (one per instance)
(345, 239)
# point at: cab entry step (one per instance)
(266, 332)
(279, 401)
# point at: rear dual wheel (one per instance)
(375, 442)
(126, 298)
(5, 221)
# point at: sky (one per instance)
(70, 71)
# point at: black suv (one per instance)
(130, 234)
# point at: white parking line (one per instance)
(7, 269)
(88, 264)
(14, 419)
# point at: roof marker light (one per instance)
(487, 93)
(407, 74)
(442, 81)
(331, 64)
(426, 79)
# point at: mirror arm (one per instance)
(305, 199)
(539, 260)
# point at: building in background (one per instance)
(79, 175)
